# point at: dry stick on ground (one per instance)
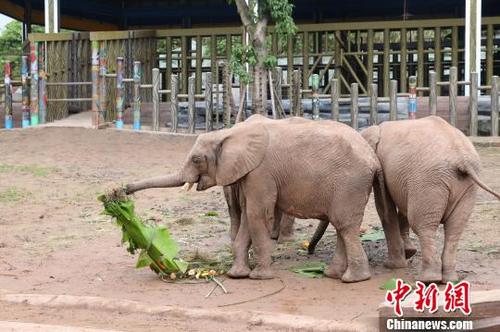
(217, 284)
(283, 286)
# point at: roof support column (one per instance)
(26, 20)
(472, 39)
(52, 16)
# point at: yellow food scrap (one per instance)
(305, 244)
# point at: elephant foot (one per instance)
(429, 275)
(262, 273)
(238, 272)
(449, 276)
(275, 234)
(334, 271)
(286, 238)
(350, 275)
(396, 263)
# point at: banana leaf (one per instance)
(156, 247)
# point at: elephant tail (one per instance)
(470, 171)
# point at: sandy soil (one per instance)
(54, 241)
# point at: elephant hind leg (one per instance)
(339, 262)
(453, 228)
(404, 228)
(424, 216)
(286, 233)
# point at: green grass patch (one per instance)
(211, 214)
(34, 170)
(12, 195)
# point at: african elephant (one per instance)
(322, 170)
(282, 225)
(431, 172)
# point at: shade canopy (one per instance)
(93, 15)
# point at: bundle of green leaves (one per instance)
(157, 249)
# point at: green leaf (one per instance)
(310, 270)
(165, 244)
(390, 284)
(376, 235)
(143, 260)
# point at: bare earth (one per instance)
(53, 239)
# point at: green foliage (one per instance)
(11, 44)
(310, 269)
(156, 247)
(280, 12)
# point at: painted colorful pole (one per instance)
(315, 96)
(120, 93)
(34, 84)
(42, 92)
(95, 84)
(25, 89)
(42, 95)
(7, 67)
(103, 70)
(412, 99)
(137, 95)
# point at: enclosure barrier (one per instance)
(296, 95)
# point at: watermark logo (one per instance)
(456, 297)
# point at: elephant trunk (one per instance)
(167, 181)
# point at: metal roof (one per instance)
(121, 14)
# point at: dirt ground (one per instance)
(53, 239)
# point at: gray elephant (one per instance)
(322, 170)
(431, 172)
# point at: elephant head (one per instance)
(218, 158)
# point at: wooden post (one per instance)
(494, 106)
(156, 99)
(315, 97)
(489, 52)
(289, 65)
(296, 94)
(453, 96)
(305, 60)
(174, 103)
(199, 66)
(454, 46)
(42, 96)
(191, 105)
(432, 93)
(184, 64)
(96, 117)
(278, 81)
(372, 90)
(209, 126)
(369, 51)
(25, 91)
(386, 68)
(168, 60)
(335, 95)
(9, 123)
(103, 88)
(404, 61)
(354, 105)
(472, 40)
(474, 83)
(420, 57)
(393, 100)
(120, 92)
(35, 118)
(437, 57)
(137, 95)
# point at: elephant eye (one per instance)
(197, 159)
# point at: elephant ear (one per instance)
(240, 152)
(372, 136)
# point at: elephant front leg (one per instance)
(241, 244)
(357, 262)
(261, 242)
(231, 195)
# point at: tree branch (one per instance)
(244, 12)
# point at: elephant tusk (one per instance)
(190, 185)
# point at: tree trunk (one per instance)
(259, 86)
